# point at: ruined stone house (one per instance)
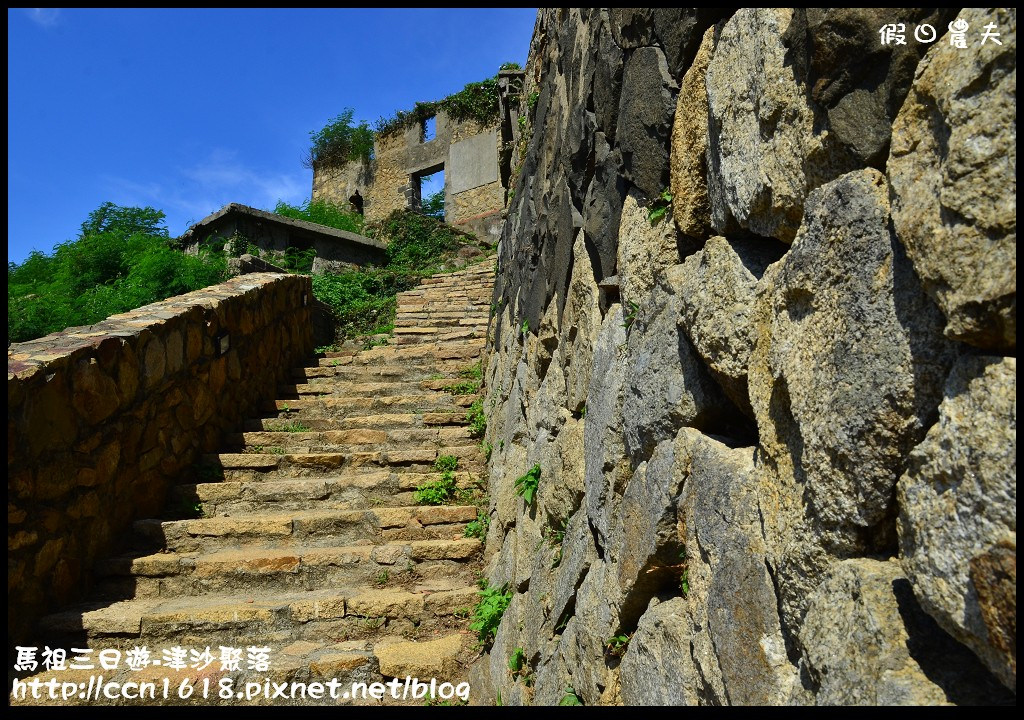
(475, 159)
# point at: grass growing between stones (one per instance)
(476, 418)
(478, 528)
(439, 492)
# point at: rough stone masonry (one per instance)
(775, 420)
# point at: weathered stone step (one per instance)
(350, 407)
(242, 466)
(310, 528)
(270, 570)
(281, 618)
(415, 438)
(377, 488)
(317, 417)
(413, 339)
(322, 387)
(256, 429)
(453, 350)
(438, 315)
(399, 367)
(386, 386)
(412, 406)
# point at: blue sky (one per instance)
(187, 110)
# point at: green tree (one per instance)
(339, 141)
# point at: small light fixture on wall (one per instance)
(305, 299)
(223, 343)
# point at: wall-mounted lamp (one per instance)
(223, 343)
(305, 299)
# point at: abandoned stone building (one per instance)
(475, 158)
(275, 235)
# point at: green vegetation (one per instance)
(684, 574)
(554, 535)
(478, 528)
(339, 141)
(433, 205)
(617, 645)
(293, 427)
(476, 101)
(526, 486)
(510, 66)
(382, 578)
(121, 260)
(476, 418)
(473, 372)
(570, 697)
(488, 611)
(466, 387)
(364, 300)
(322, 212)
(661, 205)
(440, 491)
(520, 669)
(632, 309)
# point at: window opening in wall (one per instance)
(431, 194)
(430, 128)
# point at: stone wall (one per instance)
(467, 151)
(102, 419)
(776, 419)
(336, 184)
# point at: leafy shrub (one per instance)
(363, 301)
(526, 486)
(476, 101)
(416, 241)
(488, 611)
(322, 212)
(339, 141)
(121, 260)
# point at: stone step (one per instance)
(323, 387)
(246, 466)
(280, 618)
(270, 570)
(447, 434)
(415, 339)
(471, 315)
(412, 406)
(468, 350)
(378, 373)
(378, 386)
(308, 528)
(317, 414)
(326, 387)
(377, 488)
(409, 438)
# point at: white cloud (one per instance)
(209, 185)
(223, 173)
(44, 17)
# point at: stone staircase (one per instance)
(304, 535)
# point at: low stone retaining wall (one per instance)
(102, 419)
